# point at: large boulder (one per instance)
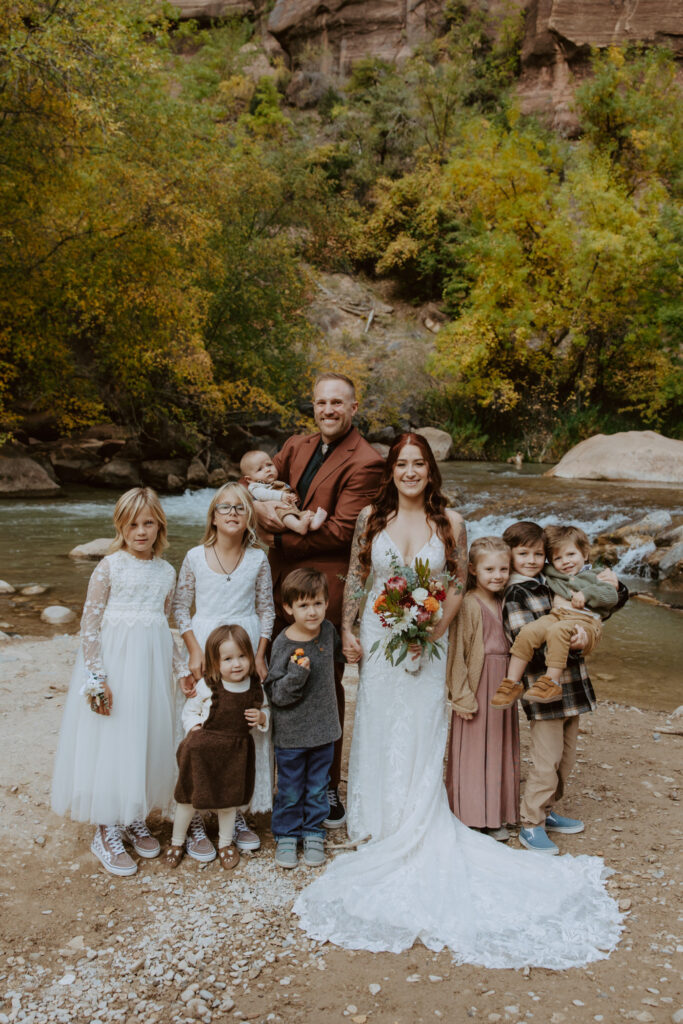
(57, 615)
(439, 441)
(630, 455)
(25, 478)
(118, 473)
(93, 548)
(209, 10)
(165, 474)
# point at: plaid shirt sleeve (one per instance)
(523, 603)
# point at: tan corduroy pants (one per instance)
(553, 755)
(555, 630)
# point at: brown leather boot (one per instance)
(544, 691)
(507, 693)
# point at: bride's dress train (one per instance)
(424, 875)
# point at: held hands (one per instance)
(578, 599)
(466, 716)
(196, 664)
(187, 685)
(255, 716)
(261, 667)
(353, 652)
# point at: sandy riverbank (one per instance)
(78, 945)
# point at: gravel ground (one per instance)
(199, 944)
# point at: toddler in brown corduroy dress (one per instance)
(216, 758)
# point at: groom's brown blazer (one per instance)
(347, 480)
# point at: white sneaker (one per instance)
(108, 848)
(244, 837)
(142, 840)
(198, 844)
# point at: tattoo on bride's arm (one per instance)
(461, 548)
(353, 588)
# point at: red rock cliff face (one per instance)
(558, 38)
(561, 33)
(342, 31)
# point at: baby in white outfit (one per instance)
(258, 469)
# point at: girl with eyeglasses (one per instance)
(227, 577)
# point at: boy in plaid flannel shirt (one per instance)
(553, 727)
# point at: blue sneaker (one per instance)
(536, 839)
(556, 823)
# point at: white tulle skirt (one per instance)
(113, 770)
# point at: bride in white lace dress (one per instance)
(424, 875)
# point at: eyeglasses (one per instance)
(228, 510)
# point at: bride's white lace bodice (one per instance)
(125, 591)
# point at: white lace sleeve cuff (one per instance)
(265, 608)
(184, 596)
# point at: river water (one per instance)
(638, 661)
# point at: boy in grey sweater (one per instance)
(580, 599)
(301, 692)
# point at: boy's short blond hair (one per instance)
(248, 458)
(129, 506)
(557, 536)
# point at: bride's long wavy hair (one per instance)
(386, 504)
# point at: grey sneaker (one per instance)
(198, 844)
(244, 838)
(142, 840)
(314, 851)
(108, 848)
(500, 833)
(285, 854)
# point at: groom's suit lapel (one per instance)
(301, 458)
(339, 455)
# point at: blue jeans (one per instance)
(301, 803)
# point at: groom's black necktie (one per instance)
(315, 462)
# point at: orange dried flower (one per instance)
(431, 604)
(380, 602)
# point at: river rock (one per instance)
(671, 563)
(34, 590)
(25, 478)
(6, 588)
(217, 477)
(381, 449)
(92, 549)
(669, 537)
(57, 615)
(73, 468)
(629, 455)
(157, 473)
(118, 473)
(197, 474)
(439, 441)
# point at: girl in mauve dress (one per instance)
(482, 776)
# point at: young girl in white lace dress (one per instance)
(116, 755)
(227, 577)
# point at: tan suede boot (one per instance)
(507, 693)
(544, 691)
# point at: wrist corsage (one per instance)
(299, 653)
(94, 692)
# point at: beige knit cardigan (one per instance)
(465, 656)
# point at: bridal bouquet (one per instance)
(408, 606)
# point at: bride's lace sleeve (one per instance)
(353, 588)
(184, 596)
(263, 599)
(91, 620)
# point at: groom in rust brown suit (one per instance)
(339, 471)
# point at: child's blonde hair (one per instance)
(479, 547)
(242, 497)
(129, 506)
